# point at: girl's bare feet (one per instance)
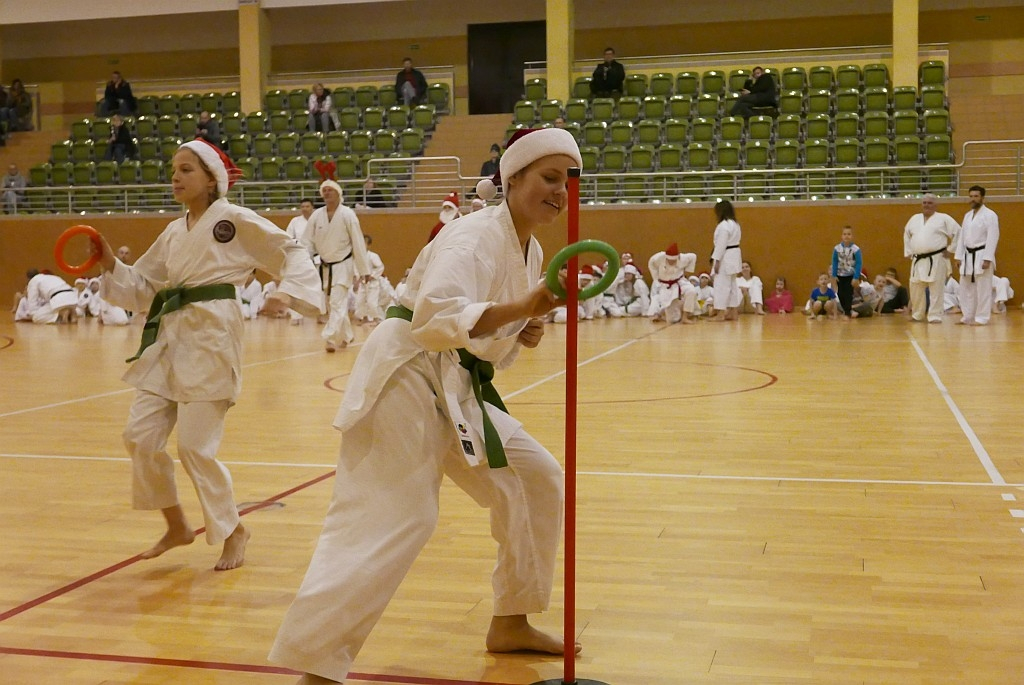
(233, 555)
(515, 634)
(178, 534)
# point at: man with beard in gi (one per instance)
(976, 252)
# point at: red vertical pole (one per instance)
(571, 372)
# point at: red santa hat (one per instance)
(220, 165)
(449, 208)
(587, 270)
(630, 269)
(672, 250)
(451, 201)
(525, 147)
(704, 274)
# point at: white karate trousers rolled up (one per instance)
(976, 298)
(200, 429)
(338, 329)
(727, 292)
(385, 508)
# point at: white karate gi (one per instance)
(925, 236)
(1001, 292)
(751, 292)
(951, 294)
(297, 227)
(342, 249)
(250, 298)
(979, 236)
(409, 417)
(669, 285)
(705, 299)
(192, 374)
(727, 254)
(632, 299)
(368, 295)
(46, 297)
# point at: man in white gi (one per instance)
(297, 226)
(48, 299)
(926, 239)
(333, 233)
(368, 297)
(976, 252)
(672, 296)
(250, 297)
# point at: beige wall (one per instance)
(794, 241)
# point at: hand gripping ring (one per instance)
(570, 251)
(94, 258)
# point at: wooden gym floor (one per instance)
(772, 501)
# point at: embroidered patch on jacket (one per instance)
(462, 428)
(467, 447)
(224, 231)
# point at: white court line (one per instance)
(594, 474)
(972, 437)
(553, 376)
(88, 398)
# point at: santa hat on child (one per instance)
(630, 269)
(220, 165)
(525, 147)
(705, 274)
(672, 250)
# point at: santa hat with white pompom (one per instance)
(525, 147)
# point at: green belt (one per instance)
(482, 374)
(171, 300)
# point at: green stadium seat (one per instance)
(167, 125)
(366, 96)
(581, 87)
(905, 122)
(621, 132)
(635, 85)
(411, 142)
(670, 157)
(255, 122)
(148, 148)
(60, 152)
(661, 84)
(128, 172)
(845, 125)
(232, 124)
(387, 96)
(904, 98)
(151, 171)
(628, 108)
(82, 151)
(654, 107)
(932, 72)
(311, 143)
(876, 99)
(877, 151)
(299, 120)
(398, 117)
(816, 152)
(602, 109)
(847, 152)
(296, 168)
(81, 129)
(821, 78)
(424, 117)
(590, 155)
(550, 110)
(935, 121)
(613, 158)
(848, 100)
(737, 79)
(727, 154)
(438, 96)
(239, 145)
(168, 146)
(147, 105)
(595, 133)
(907, 150)
(709, 105)
(191, 103)
(875, 76)
(677, 131)
(680, 106)
(731, 128)
(536, 89)
(231, 102)
(792, 101)
(875, 124)
(760, 127)
(641, 158)
(788, 127)
(712, 82)
(350, 119)
(848, 76)
(374, 118)
(938, 149)
(648, 132)
(687, 83)
(933, 97)
(288, 144)
(818, 125)
(786, 154)
(336, 142)
(264, 145)
(576, 110)
(360, 142)
(699, 156)
(702, 130)
(169, 105)
(211, 102)
(794, 78)
(280, 121)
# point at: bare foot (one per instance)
(515, 634)
(233, 555)
(310, 679)
(687, 319)
(174, 537)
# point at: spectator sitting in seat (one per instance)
(117, 97)
(121, 144)
(371, 196)
(410, 84)
(21, 103)
(490, 167)
(608, 77)
(13, 189)
(208, 129)
(322, 116)
(758, 91)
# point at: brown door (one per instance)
(496, 56)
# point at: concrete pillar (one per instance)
(253, 53)
(561, 28)
(904, 42)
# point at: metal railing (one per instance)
(423, 182)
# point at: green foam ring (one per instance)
(581, 247)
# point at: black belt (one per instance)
(53, 295)
(733, 247)
(971, 251)
(330, 274)
(930, 256)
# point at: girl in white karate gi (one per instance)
(410, 416)
(190, 372)
(727, 264)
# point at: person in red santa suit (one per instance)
(449, 212)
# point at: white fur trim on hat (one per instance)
(328, 183)
(536, 144)
(212, 161)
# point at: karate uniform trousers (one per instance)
(978, 229)
(408, 419)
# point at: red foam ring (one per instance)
(62, 241)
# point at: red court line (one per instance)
(31, 604)
(228, 666)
